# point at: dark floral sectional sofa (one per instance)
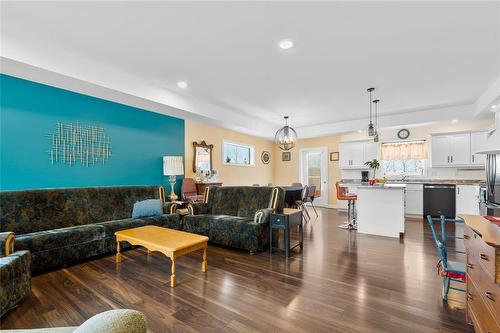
(236, 216)
(60, 226)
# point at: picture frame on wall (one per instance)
(286, 156)
(265, 157)
(334, 156)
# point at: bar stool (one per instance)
(343, 194)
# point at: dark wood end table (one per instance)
(286, 221)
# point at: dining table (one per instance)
(292, 194)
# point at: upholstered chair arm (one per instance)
(262, 215)
(169, 207)
(6, 243)
(197, 208)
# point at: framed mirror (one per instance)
(202, 156)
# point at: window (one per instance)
(404, 158)
(238, 154)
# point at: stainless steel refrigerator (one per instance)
(492, 190)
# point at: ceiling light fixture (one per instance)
(182, 84)
(286, 44)
(375, 137)
(371, 129)
(286, 137)
(454, 121)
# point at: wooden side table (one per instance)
(286, 221)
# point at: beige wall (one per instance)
(286, 173)
(229, 175)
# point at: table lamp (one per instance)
(172, 167)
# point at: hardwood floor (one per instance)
(341, 282)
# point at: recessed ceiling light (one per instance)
(360, 131)
(493, 106)
(454, 121)
(286, 44)
(182, 84)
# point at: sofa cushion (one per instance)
(237, 232)
(58, 238)
(165, 220)
(197, 224)
(149, 207)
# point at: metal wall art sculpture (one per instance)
(72, 143)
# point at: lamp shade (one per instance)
(173, 166)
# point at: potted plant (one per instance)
(373, 164)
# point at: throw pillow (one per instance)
(145, 208)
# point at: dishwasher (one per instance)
(439, 199)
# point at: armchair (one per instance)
(15, 273)
(189, 191)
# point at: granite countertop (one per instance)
(426, 181)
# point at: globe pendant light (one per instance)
(286, 137)
(375, 137)
(371, 129)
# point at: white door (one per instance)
(314, 171)
(478, 143)
(460, 147)
(467, 199)
(440, 146)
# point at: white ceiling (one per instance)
(429, 61)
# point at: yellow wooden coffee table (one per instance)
(172, 243)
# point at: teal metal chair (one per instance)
(449, 270)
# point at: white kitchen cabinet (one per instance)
(478, 142)
(370, 151)
(414, 199)
(354, 154)
(467, 199)
(451, 150)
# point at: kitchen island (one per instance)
(381, 209)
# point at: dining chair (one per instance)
(449, 270)
(301, 203)
(311, 194)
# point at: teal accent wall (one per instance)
(30, 111)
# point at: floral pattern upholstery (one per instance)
(236, 216)
(15, 277)
(61, 226)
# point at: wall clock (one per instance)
(403, 134)
(265, 157)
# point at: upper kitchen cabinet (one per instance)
(451, 150)
(478, 142)
(354, 154)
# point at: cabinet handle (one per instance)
(473, 158)
(448, 159)
(458, 190)
(471, 266)
(483, 256)
(469, 296)
(451, 158)
(490, 296)
(466, 237)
